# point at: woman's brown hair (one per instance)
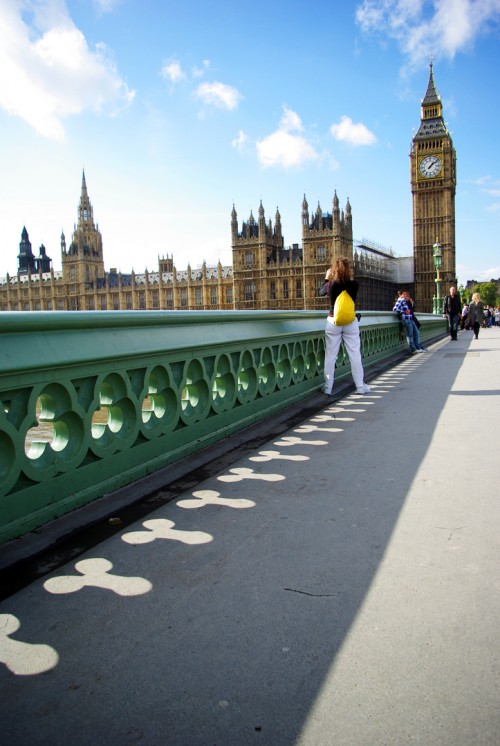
(342, 269)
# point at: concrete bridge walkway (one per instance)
(337, 585)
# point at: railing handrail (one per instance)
(128, 392)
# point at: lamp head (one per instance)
(438, 255)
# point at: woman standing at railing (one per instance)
(339, 279)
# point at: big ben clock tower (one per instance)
(433, 183)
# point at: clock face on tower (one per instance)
(430, 166)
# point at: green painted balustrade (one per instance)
(92, 401)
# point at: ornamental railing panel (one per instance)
(92, 401)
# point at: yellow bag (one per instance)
(343, 311)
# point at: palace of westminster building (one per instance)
(264, 274)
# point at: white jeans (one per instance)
(334, 335)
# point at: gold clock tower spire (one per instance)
(433, 185)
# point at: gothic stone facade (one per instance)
(264, 274)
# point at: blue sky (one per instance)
(177, 110)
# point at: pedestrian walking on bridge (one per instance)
(476, 313)
(452, 309)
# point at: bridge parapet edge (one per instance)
(93, 401)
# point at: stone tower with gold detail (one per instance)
(433, 185)
(325, 237)
(82, 262)
(257, 251)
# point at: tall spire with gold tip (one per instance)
(433, 184)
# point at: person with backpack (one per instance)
(342, 324)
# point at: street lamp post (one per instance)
(437, 303)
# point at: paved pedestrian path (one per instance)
(336, 586)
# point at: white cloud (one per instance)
(106, 6)
(284, 147)
(466, 273)
(48, 70)
(199, 72)
(489, 186)
(355, 134)
(240, 142)
(440, 27)
(173, 71)
(480, 181)
(218, 94)
(290, 121)
(492, 273)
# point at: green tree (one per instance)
(488, 292)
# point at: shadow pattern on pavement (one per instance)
(242, 601)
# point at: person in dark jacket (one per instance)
(452, 309)
(476, 313)
(339, 278)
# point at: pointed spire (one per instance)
(84, 183)
(234, 223)
(431, 124)
(335, 209)
(262, 222)
(305, 214)
(431, 94)
(85, 213)
(277, 224)
(26, 260)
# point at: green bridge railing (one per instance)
(92, 401)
